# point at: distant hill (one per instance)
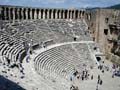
(114, 6)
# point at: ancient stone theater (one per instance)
(58, 49)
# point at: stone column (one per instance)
(48, 14)
(39, 15)
(35, 13)
(81, 14)
(74, 14)
(43, 13)
(68, 15)
(30, 13)
(22, 14)
(13, 12)
(5, 13)
(59, 14)
(26, 13)
(56, 14)
(63, 14)
(89, 17)
(18, 13)
(9, 13)
(78, 14)
(1, 13)
(52, 14)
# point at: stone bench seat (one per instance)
(62, 60)
(52, 64)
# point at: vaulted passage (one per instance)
(24, 13)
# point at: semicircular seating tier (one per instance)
(11, 50)
(13, 34)
(44, 30)
(63, 60)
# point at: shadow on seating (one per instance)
(6, 84)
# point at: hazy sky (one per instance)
(61, 3)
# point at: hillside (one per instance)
(114, 6)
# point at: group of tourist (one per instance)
(104, 67)
(99, 82)
(85, 75)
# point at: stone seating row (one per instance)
(62, 60)
(68, 28)
(45, 80)
(11, 50)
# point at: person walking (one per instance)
(97, 87)
(92, 77)
(101, 82)
(98, 77)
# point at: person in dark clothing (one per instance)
(98, 81)
(97, 87)
(75, 73)
(101, 82)
(102, 71)
(71, 78)
(78, 77)
(113, 75)
(86, 72)
(86, 76)
(98, 77)
(82, 77)
(75, 38)
(8, 60)
(92, 77)
(98, 67)
(83, 72)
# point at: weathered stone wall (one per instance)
(113, 58)
(100, 30)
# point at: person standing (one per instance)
(92, 77)
(101, 82)
(97, 87)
